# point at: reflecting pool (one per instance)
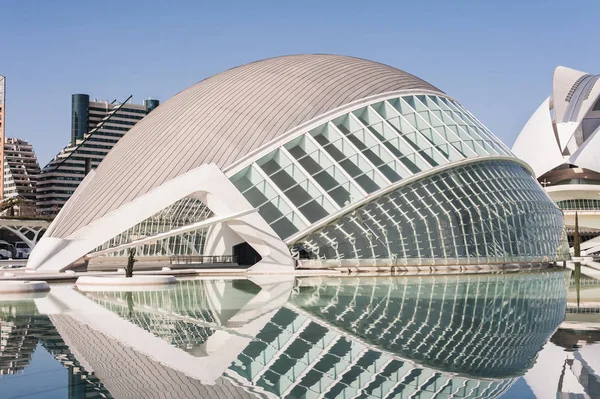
(434, 336)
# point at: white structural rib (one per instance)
(206, 183)
(392, 187)
(309, 177)
(565, 81)
(174, 232)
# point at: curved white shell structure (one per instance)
(561, 143)
(563, 129)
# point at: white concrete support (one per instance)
(220, 238)
(206, 183)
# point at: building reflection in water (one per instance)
(18, 338)
(22, 329)
(396, 337)
(465, 336)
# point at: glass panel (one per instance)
(182, 213)
(341, 161)
(492, 211)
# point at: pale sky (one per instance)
(496, 58)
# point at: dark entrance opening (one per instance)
(245, 254)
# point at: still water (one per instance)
(434, 336)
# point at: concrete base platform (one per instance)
(22, 289)
(32, 275)
(242, 272)
(118, 283)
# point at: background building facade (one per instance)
(2, 127)
(561, 143)
(21, 169)
(95, 128)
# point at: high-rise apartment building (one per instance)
(96, 126)
(2, 106)
(21, 169)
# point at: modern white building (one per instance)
(311, 160)
(561, 143)
(96, 127)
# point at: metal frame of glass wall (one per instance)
(385, 338)
(328, 169)
(485, 212)
(182, 213)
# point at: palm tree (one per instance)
(130, 261)
(576, 238)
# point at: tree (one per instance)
(130, 261)
(576, 238)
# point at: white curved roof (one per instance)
(564, 128)
(537, 138)
(226, 116)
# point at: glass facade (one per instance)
(151, 104)
(182, 213)
(486, 212)
(354, 155)
(492, 212)
(79, 116)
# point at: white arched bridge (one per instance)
(23, 229)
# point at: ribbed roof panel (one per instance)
(226, 116)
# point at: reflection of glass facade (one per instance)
(489, 326)
(432, 337)
(182, 213)
(466, 336)
(486, 212)
(185, 320)
(427, 337)
(489, 211)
